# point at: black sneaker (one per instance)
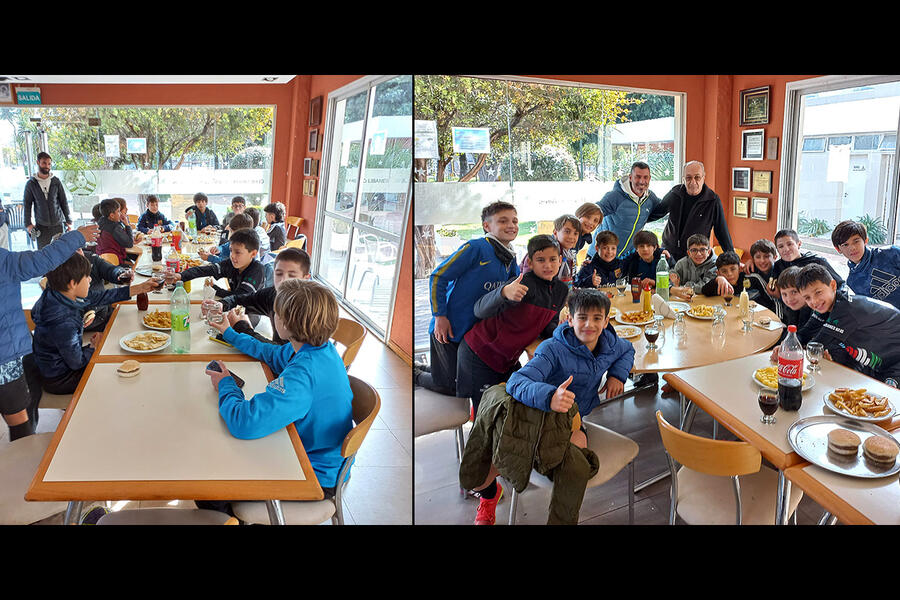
(94, 515)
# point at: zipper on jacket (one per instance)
(640, 204)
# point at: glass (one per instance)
(728, 298)
(698, 250)
(160, 278)
(651, 333)
(747, 320)
(659, 322)
(768, 404)
(679, 329)
(814, 353)
(622, 285)
(717, 331)
(213, 315)
(170, 278)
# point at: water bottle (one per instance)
(192, 224)
(662, 278)
(790, 371)
(180, 306)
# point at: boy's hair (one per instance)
(122, 204)
(698, 239)
(253, 213)
(277, 209)
(812, 273)
(238, 200)
(493, 208)
(200, 196)
(727, 258)
(585, 298)
(644, 237)
(96, 211)
(308, 310)
(588, 209)
(541, 242)
(295, 255)
(765, 246)
(152, 198)
(108, 206)
(788, 278)
(787, 233)
(560, 222)
(240, 221)
(845, 230)
(245, 237)
(605, 238)
(76, 268)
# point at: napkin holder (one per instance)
(661, 307)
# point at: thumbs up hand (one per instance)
(515, 291)
(563, 399)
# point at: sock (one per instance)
(22, 430)
(489, 492)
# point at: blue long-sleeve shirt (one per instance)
(311, 390)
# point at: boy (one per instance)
(264, 243)
(729, 278)
(59, 322)
(115, 235)
(566, 230)
(312, 390)
(244, 274)
(206, 220)
(874, 272)
(290, 263)
(478, 266)
(787, 242)
(695, 270)
(566, 368)
(216, 253)
(152, 217)
(590, 216)
(274, 212)
(512, 317)
(238, 204)
(792, 309)
(642, 262)
(604, 268)
(763, 254)
(856, 331)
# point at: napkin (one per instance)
(661, 307)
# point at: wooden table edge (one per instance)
(827, 499)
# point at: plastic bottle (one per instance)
(646, 304)
(662, 278)
(192, 224)
(636, 290)
(180, 306)
(790, 371)
(744, 301)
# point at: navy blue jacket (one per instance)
(150, 220)
(609, 272)
(877, 275)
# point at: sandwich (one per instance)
(843, 442)
(129, 368)
(772, 283)
(880, 450)
(88, 317)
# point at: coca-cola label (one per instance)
(790, 369)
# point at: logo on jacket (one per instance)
(483, 262)
(493, 285)
(864, 357)
(277, 385)
(883, 284)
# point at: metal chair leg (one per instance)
(276, 517)
(513, 504)
(73, 513)
(631, 493)
(460, 448)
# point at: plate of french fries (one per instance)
(702, 311)
(767, 377)
(144, 342)
(160, 320)
(859, 404)
(635, 317)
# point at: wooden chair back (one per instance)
(351, 335)
(366, 404)
(29, 320)
(738, 251)
(298, 243)
(713, 457)
(110, 258)
(294, 222)
(133, 220)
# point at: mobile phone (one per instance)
(214, 366)
(218, 338)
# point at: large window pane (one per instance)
(346, 154)
(373, 261)
(335, 248)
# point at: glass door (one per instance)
(368, 178)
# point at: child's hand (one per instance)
(89, 320)
(222, 326)
(203, 254)
(827, 356)
(747, 267)
(674, 279)
(515, 291)
(214, 250)
(723, 286)
(563, 399)
(613, 387)
(233, 317)
(596, 280)
(443, 333)
(648, 281)
(666, 253)
(95, 339)
(215, 377)
(774, 357)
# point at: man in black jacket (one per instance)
(51, 208)
(693, 208)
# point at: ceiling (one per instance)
(144, 79)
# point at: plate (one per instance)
(690, 314)
(128, 336)
(679, 307)
(627, 331)
(619, 319)
(144, 323)
(145, 271)
(841, 413)
(809, 438)
(809, 382)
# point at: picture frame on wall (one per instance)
(755, 106)
(307, 165)
(760, 209)
(6, 95)
(741, 206)
(762, 182)
(753, 144)
(314, 167)
(315, 111)
(313, 145)
(740, 179)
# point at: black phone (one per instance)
(214, 366)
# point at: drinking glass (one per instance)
(160, 278)
(747, 320)
(814, 352)
(680, 327)
(718, 331)
(728, 298)
(659, 321)
(213, 315)
(622, 285)
(768, 404)
(651, 333)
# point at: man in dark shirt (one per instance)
(693, 208)
(45, 193)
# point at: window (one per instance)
(843, 140)
(888, 142)
(813, 144)
(866, 142)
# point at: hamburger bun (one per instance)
(88, 316)
(843, 442)
(880, 450)
(129, 368)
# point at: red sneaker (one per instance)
(487, 509)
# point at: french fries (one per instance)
(702, 310)
(859, 403)
(636, 316)
(158, 318)
(768, 376)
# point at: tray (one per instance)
(841, 413)
(809, 438)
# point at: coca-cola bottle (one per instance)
(790, 371)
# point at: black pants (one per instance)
(23, 393)
(474, 377)
(47, 233)
(64, 384)
(442, 378)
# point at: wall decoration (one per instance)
(752, 142)
(762, 182)
(772, 148)
(740, 179)
(755, 106)
(314, 167)
(315, 111)
(307, 165)
(313, 145)
(741, 206)
(760, 209)
(6, 93)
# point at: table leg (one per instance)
(782, 501)
(73, 513)
(689, 415)
(276, 517)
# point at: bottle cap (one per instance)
(792, 328)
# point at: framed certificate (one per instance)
(755, 106)
(753, 144)
(760, 209)
(740, 179)
(762, 182)
(741, 206)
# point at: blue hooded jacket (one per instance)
(877, 275)
(563, 355)
(625, 216)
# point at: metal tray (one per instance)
(809, 438)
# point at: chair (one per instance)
(437, 412)
(294, 222)
(133, 220)
(349, 334)
(300, 243)
(720, 482)
(616, 452)
(366, 404)
(167, 516)
(110, 258)
(19, 461)
(718, 250)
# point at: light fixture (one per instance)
(269, 78)
(20, 78)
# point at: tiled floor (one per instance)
(380, 489)
(438, 501)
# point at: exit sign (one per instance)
(28, 95)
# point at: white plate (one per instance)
(627, 331)
(810, 381)
(619, 319)
(128, 336)
(679, 306)
(154, 328)
(842, 413)
(688, 313)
